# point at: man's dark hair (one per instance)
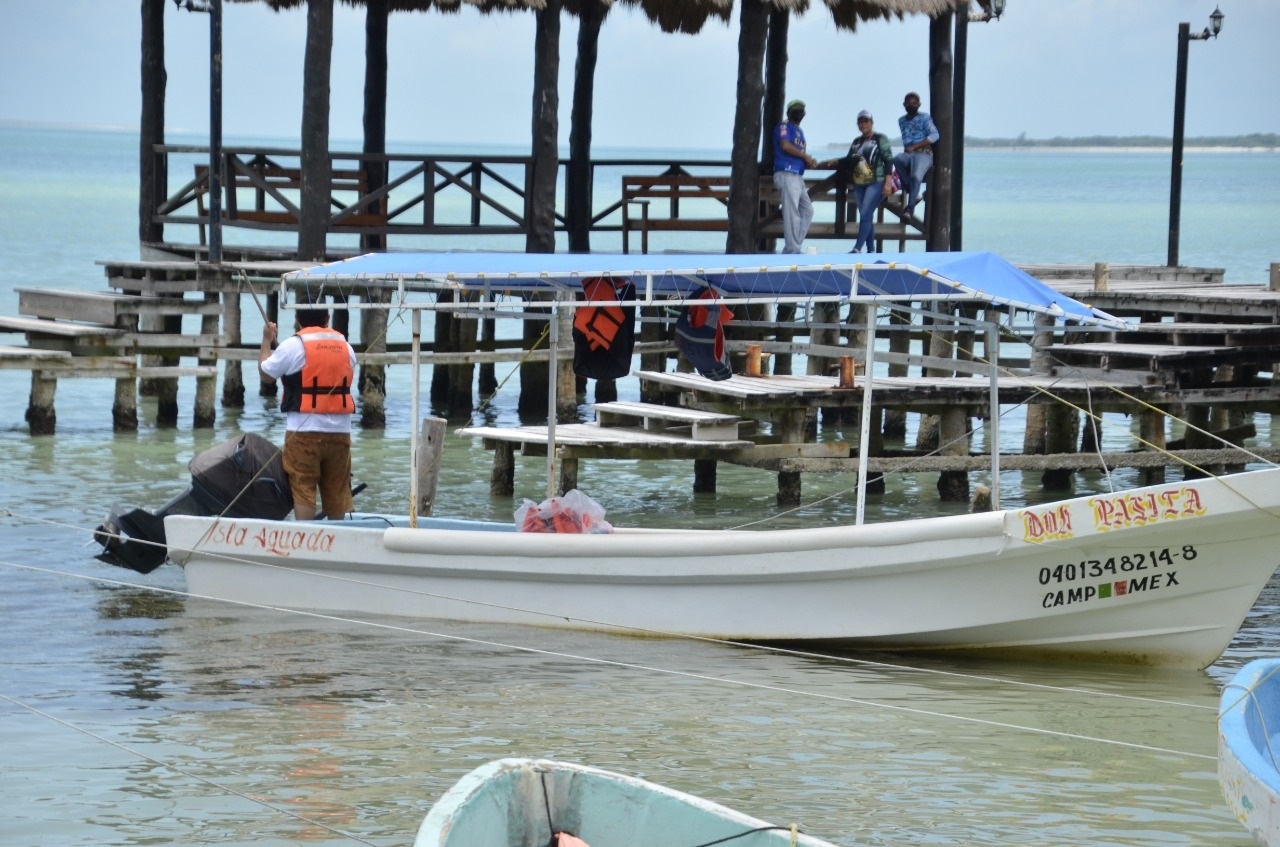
(312, 317)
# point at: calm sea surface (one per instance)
(131, 714)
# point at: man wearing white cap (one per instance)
(790, 158)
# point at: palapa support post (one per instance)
(427, 462)
(41, 416)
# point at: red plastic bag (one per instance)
(574, 513)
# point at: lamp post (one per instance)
(992, 10)
(1185, 37)
(214, 9)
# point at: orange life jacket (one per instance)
(323, 385)
(600, 324)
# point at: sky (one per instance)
(1047, 68)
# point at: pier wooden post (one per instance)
(502, 478)
(652, 330)
(791, 428)
(941, 346)
(232, 369)
(427, 463)
(1275, 277)
(1101, 276)
(1033, 437)
(488, 380)
(41, 417)
(704, 476)
(167, 387)
(1151, 428)
(124, 409)
(895, 420)
(462, 339)
(567, 476)
(785, 334)
(953, 428)
(373, 377)
(206, 386)
(566, 381)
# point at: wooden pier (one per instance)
(1201, 347)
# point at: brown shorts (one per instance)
(323, 460)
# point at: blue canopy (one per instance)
(977, 276)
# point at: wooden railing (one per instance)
(449, 195)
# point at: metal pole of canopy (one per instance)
(553, 340)
(415, 397)
(864, 433)
(993, 363)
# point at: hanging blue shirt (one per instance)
(782, 160)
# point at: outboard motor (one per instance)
(240, 478)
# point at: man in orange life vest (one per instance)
(316, 366)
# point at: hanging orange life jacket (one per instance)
(323, 385)
(600, 324)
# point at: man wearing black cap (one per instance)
(316, 366)
(789, 161)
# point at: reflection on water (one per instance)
(359, 727)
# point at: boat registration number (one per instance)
(1162, 560)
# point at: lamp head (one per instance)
(1215, 22)
(997, 8)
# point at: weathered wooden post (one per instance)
(1151, 428)
(427, 463)
(373, 376)
(207, 386)
(232, 369)
(41, 416)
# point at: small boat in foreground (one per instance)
(1249, 748)
(525, 802)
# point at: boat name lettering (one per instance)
(1105, 590)
(283, 541)
(1132, 509)
(1046, 524)
(1115, 565)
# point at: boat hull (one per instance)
(1160, 575)
(1249, 746)
(507, 803)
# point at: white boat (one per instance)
(1158, 575)
(524, 802)
(1249, 748)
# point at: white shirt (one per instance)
(289, 358)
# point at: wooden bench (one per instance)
(643, 191)
(104, 307)
(653, 417)
(270, 182)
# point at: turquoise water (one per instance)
(238, 724)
